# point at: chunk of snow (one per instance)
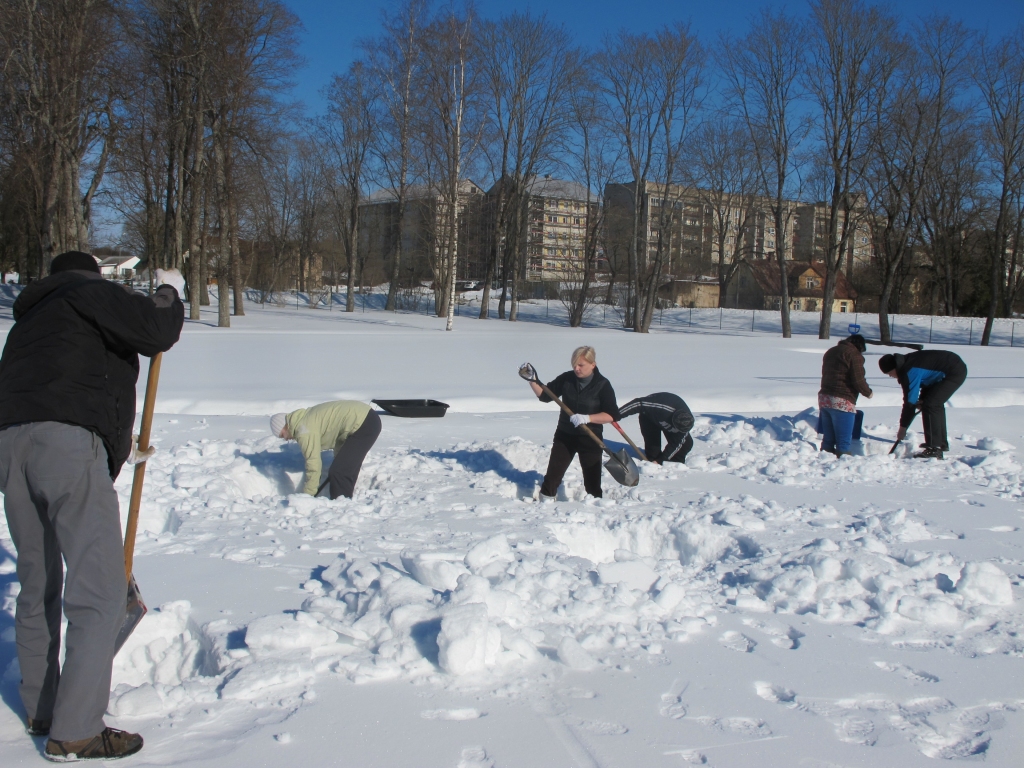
(634, 573)
(984, 584)
(467, 642)
(573, 655)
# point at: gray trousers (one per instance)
(60, 502)
(348, 457)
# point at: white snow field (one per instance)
(764, 605)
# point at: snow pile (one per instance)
(158, 668)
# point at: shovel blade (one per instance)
(133, 614)
(621, 467)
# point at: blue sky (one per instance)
(332, 27)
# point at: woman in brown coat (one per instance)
(842, 380)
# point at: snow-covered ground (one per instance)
(765, 605)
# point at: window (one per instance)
(842, 306)
(810, 282)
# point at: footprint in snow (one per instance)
(787, 638)
(904, 671)
(856, 730)
(465, 713)
(745, 726)
(775, 694)
(603, 729)
(475, 757)
(737, 641)
(672, 706)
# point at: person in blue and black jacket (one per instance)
(929, 378)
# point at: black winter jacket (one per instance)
(912, 372)
(597, 397)
(73, 354)
(669, 411)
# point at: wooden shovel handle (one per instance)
(631, 443)
(140, 469)
(569, 412)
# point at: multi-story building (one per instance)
(424, 231)
(559, 215)
(701, 223)
(810, 231)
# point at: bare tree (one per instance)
(59, 75)
(450, 82)
(999, 75)
(528, 67)
(912, 109)
(762, 75)
(592, 158)
(653, 87)
(346, 135)
(395, 59)
(723, 170)
(853, 54)
(950, 209)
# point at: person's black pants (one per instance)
(564, 448)
(933, 408)
(348, 457)
(678, 447)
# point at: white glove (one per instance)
(579, 418)
(137, 456)
(173, 278)
(527, 372)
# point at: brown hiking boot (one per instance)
(37, 727)
(108, 745)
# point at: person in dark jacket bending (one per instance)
(590, 396)
(928, 378)
(842, 380)
(67, 405)
(660, 413)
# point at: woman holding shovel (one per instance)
(590, 397)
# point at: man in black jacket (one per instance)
(928, 378)
(67, 405)
(662, 413)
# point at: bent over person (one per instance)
(662, 413)
(67, 405)
(842, 380)
(590, 397)
(928, 378)
(348, 426)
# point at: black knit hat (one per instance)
(858, 341)
(74, 260)
(887, 363)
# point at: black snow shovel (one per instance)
(136, 608)
(619, 465)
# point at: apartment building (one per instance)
(424, 231)
(809, 241)
(702, 223)
(559, 215)
(698, 225)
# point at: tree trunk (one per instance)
(196, 192)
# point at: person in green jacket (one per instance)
(349, 427)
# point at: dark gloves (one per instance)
(528, 372)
